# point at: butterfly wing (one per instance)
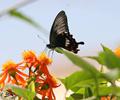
(60, 36)
(59, 27)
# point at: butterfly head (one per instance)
(50, 46)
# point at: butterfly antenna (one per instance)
(52, 54)
(49, 53)
(41, 39)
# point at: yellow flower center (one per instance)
(9, 65)
(28, 54)
(44, 59)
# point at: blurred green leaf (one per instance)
(75, 59)
(88, 92)
(107, 58)
(94, 58)
(22, 92)
(75, 78)
(31, 86)
(58, 50)
(77, 96)
(70, 98)
(89, 98)
(110, 59)
(87, 67)
(104, 91)
(90, 80)
(100, 58)
(85, 83)
(27, 19)
(112, 75)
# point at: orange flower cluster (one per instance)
(37, 66)
(105, 98)
(11, 74)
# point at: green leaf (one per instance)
(69, 98)
(109, 90)
(75, 78)
(27, 19)
(76, 96)
(90, 98)
(88, 92)
(75, 59)
(107, 58)
(22, 92)
(112, 75)
(110, 59)
(31, 86)
(78, 61)
(100, 58)
(85, 83)
(95, 58)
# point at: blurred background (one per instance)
(95, 22)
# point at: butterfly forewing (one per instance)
(60, 26)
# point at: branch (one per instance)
(16, 6)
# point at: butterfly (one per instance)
(60, 35)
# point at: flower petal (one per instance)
(4, 75)
(21, 73)
(20, 80)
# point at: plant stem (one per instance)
(16, 6)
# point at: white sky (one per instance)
(91, 21)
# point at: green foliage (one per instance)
(110, 90)
(99, 59)
(107, 58)
(75, 59)
(75, 78)
(110, 59)
(69, 98)
(89, 83)
(27, 94)
(88, 92)
(31, 86)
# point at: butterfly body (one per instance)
(59, 42)
(60, 35)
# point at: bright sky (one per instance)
(91, 21)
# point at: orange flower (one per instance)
(29, 55)
(30, 58)
(45, 87)
(105, 98)
(45, 82)
(11, 74)
(117, 51)
(44, 60)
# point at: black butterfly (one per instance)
(60, 35)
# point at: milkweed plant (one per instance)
(30, 78)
